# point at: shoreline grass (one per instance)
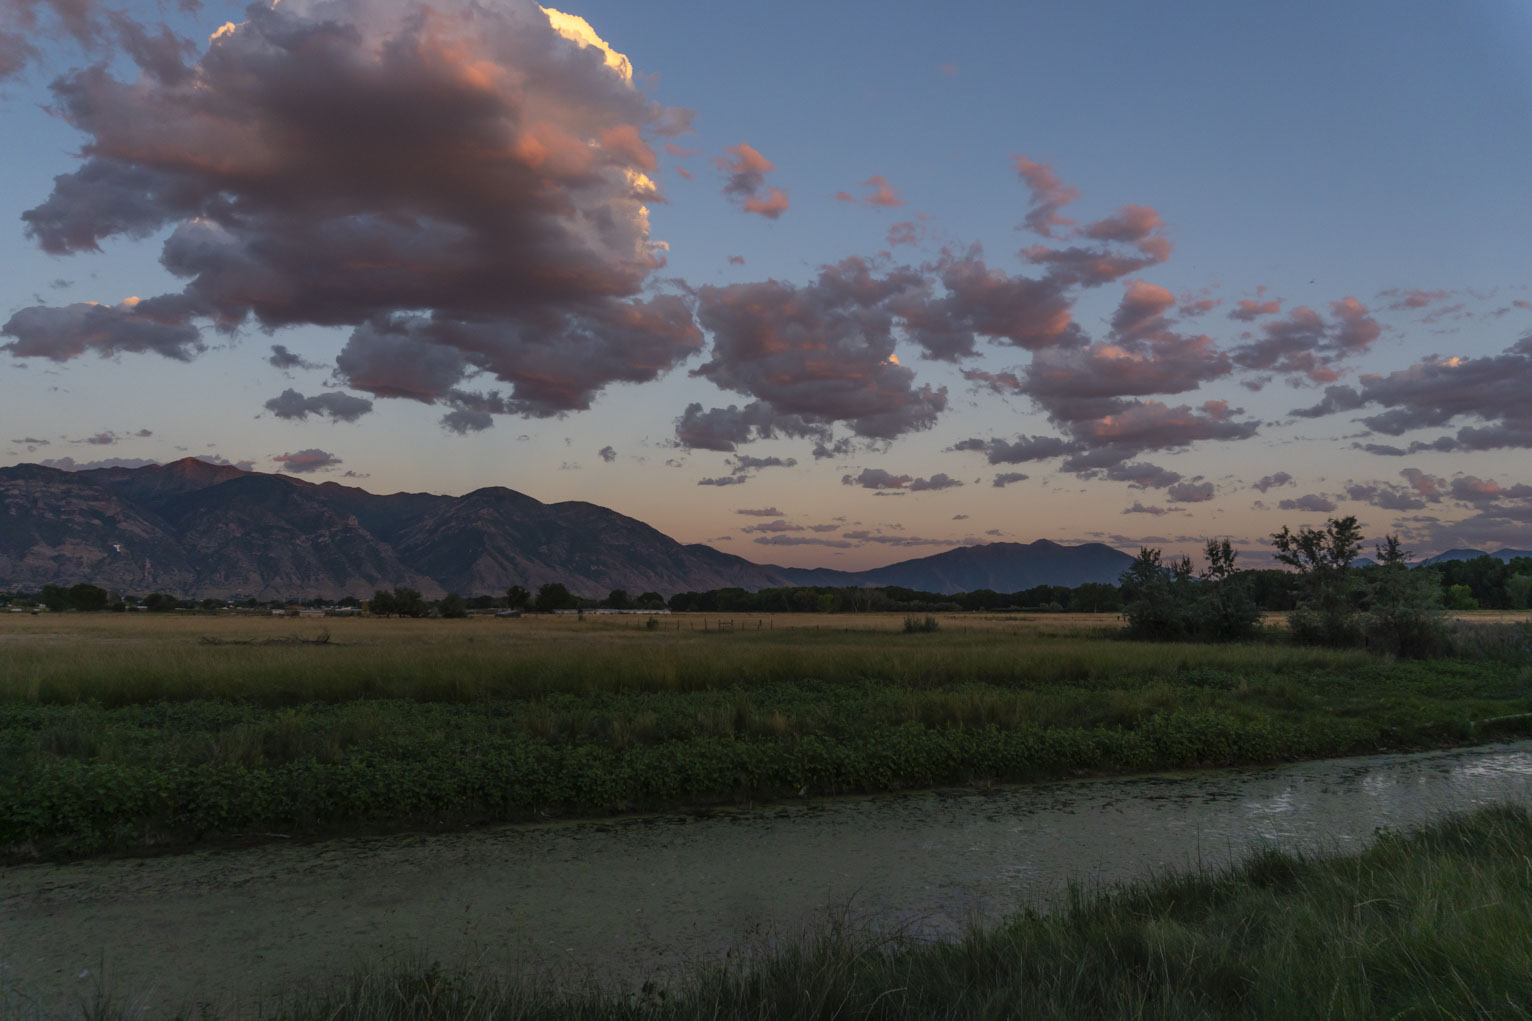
(1430, 923)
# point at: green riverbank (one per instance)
(163, 746)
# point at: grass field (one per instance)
(1428, 924)
(124, 732)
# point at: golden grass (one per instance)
(127, 658)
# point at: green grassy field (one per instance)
(1428, 924)
(128, 732)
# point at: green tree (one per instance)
(1404, 615)
(1224, 610)
(1156, 597)
(1322, 558)
(55, 598)
(517, 597)
(1095, 597)
(381, 602)
(159, 602)
(1518, 591)
(554, 596)
(617, 599)
(408, 602)
(650, 601)
(453, 606)
(1460, 597)
(86, 597)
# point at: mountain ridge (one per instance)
(200, 530)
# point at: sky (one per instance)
(830, 285)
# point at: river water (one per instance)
(642, 897)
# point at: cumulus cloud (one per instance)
(1384, 497)
(876, 478)
(26, 23)
(1126, 429)
(742, 463)
(802, 540)
(880, 194)
(1412, 298)
(1004, 479)
(1249, 309)
(499, 212)
(1428, 486)
(338, 407)
(69, 464)
(725, 428)
(1304, 344)
(745, 184)
(810, 356)
(607, 454)
(304, 461)
(1437, 391)
(759, 512)
(941, 480)
(1273, 481)
(884, 539)
(1473, 490)
(1313, 502)
(779, 525)
(1139, 508)
(59, 333)
(1190, 492)
(1049, 195)
(282, 358)
(467, 420)
(724, 480)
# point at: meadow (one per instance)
(129, 732)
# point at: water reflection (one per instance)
(627, 900)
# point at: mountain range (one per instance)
(201, 530)
(1474, 554)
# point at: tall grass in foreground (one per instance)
(1428, 924)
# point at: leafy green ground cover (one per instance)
(1429, 924)
(161, 745)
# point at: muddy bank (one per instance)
(642, 897)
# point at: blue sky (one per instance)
(1364, 163)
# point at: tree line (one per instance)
(1331, 597)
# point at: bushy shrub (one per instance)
(1322, 557)
(1404, 617)
(1164, 603)
(915, 625)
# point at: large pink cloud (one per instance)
(465, 175)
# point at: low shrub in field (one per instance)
(915, 625)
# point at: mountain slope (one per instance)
(202, 530)
(1474, 554)
(59, 527)
(1005, 567)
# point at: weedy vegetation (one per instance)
(121, 733)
